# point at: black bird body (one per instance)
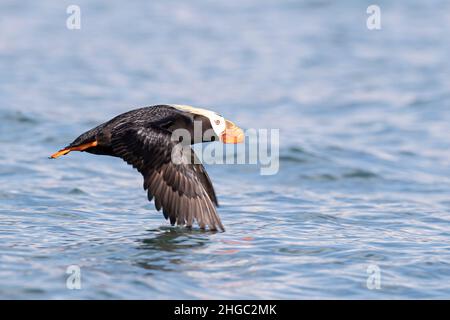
(144, 138)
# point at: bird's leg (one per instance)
(81, 147)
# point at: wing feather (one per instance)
(183, 190)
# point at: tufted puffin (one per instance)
(144, 138)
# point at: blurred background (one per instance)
(364, 174)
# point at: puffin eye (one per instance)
(217, 122)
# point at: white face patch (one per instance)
(217, 121)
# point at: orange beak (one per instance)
(79, 148)
(232, 133)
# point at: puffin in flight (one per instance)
(146, 139)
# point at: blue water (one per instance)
(364, 175)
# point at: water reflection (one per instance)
(174, 238)
(166, 247)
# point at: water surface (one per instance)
(364, 173)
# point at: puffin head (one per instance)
(225, 130)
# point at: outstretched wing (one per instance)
(180, 186)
